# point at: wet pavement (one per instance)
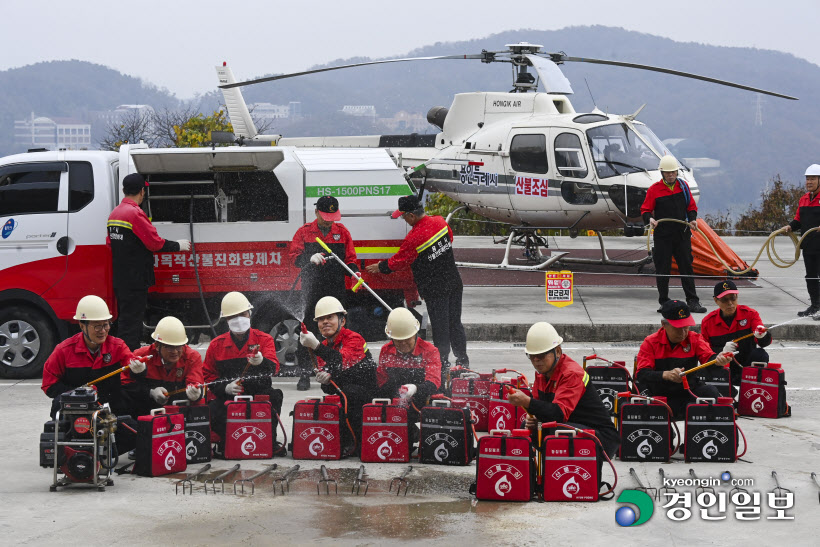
(438, 508)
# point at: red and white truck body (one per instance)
(248, 203)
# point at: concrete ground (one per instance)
(438, 508)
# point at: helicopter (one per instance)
(524, 158)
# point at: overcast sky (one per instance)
(176, 43)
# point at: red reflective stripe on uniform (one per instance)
(222, 348)
(656, 346)
(190, 362)
(129, 211)
(350, 344)
(568, 383)
(73, 353)
(391, 359)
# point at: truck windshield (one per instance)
(617, 149)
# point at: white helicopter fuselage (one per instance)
(529, 159)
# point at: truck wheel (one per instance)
(27, 338)
(286, 336)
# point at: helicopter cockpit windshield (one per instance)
(618, 150)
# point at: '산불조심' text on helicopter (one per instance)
(524, 158)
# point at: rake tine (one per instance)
(664, 489)
(402, 480)
(779, 491)
(325, 478)
(640, 484)
(252, 478)
(188, 480)
(359, 481)
(703, 489)
(284, 480)
(221, 478)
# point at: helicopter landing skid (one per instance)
(532, 243)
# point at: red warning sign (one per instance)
(559, 288)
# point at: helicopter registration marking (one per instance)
(559, 288)
(530, 186)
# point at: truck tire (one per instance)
(27, 338)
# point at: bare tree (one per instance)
(163, 123)
(130, 127)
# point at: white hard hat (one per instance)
(234, 303)
(813, 170)
(401, 324)
(668, 163)
(170, 331)
(92, 308)
(327, 305)
(541, 338)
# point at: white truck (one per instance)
(239, 205)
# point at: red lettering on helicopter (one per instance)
(530, 186)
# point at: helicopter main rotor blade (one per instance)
(326, 69)
(551, 76)
(674, 72)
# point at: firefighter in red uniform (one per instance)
(133, 241)
(172, 366)
(241, 362)
(806, 218)
(665, 354)
(562, 391)
(342, 357)
(671, 198)
(409, 367)
(428, 251)
(321, 277)
(730, 322)
(88, 355)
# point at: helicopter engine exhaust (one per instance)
(436, 116)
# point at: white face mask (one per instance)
(239, 324)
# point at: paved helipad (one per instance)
(604, 320)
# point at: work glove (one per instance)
(653, 223)
(159, 394)
(256, 360)
(317, 259)
(234, 388)
(407, 391)
(760, 331)
(309, 340)
(193, 392)
(184, 245)
(323, 377)
(729, 347)
(136, 366)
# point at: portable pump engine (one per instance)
(79, 444)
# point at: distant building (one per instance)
(52, 133)
(406, 122)
(269, 111)
(365, 111)
(104, 118)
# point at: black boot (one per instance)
(695, 307)
(304, 381)
(811, 310)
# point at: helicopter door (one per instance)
(573, 175)
(534, 198)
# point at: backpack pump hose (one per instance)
(196, 267)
